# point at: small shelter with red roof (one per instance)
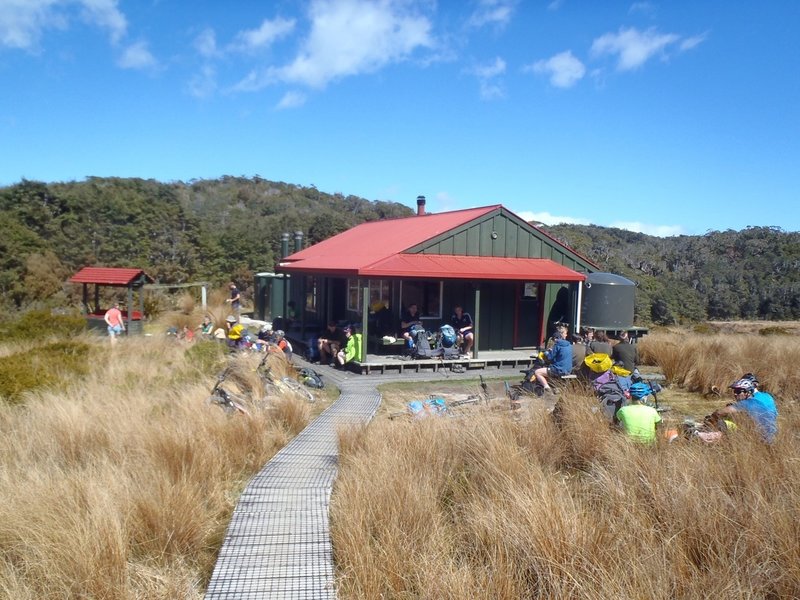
(130, 278)
(512, 277)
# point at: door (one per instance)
(527, 315)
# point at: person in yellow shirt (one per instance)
(638, 420)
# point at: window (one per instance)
(379, 290)
(427, 295)
(353, 295)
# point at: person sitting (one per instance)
(625, 352)
(600, 344)
(282, 344)
(462, 324)
(206, 328)
(330, 341)
(638, 420)
(560, 359)
(407, 321)
(759, 406)
(381, 316)
(235, 333)
(578, 352)
(348, 351)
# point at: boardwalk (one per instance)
(278, 542)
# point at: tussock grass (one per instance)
(120, 484)
(490, 506)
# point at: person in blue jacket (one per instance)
(559, 358)
(758, 405)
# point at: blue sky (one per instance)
(662, 117)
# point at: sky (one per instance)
(668, 118)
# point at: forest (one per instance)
(230, 228)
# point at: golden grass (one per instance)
(121, 484)
(489, 506)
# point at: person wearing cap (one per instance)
(235, 331)
(638, 420)
(759, 406)
(348, 352)
(235, 300)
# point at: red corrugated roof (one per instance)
(439, 266)
(109, 276)
(368, 243)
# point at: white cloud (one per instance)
(656, 230)
(23, 22)
(206, 43)
(645, 8)
(555, 5)
(692, 42)
(490, 88)
(204, 83)
(349, 37)
(492, 12)
(550, 219)
(137, 56)
(269, 31)
(632, 47)
(564, 69)
(105, 14)
(291, 100)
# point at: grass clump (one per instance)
(500, 506)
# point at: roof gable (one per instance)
(370, 242)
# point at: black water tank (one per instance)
(607, 301)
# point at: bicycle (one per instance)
(437, 406)
(276, 387)
(228, 402)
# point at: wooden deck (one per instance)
(377, 364)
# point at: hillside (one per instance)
(211, 230)
(230, 227)
(748, 274)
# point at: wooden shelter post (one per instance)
(477, 320)
(364, 317)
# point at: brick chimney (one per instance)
(420, 205)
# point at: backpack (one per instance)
(422, 347)
(598, 362)
(311, 378)
(448, 336)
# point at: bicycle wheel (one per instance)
(298, 388)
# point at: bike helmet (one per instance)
(753, 379)
(639, 390)
(230, 319)
(279, 333)
(743, 385)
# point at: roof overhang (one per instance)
(440, 266)
(113, 276)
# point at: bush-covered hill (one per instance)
(748, 274)
(202, 230)
(231, 227)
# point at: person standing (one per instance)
(115, 322)
(235, 300)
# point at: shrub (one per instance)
(774, 330)
(41, 324)
(41, 367)
(207, 356)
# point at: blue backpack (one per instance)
(448, 336)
